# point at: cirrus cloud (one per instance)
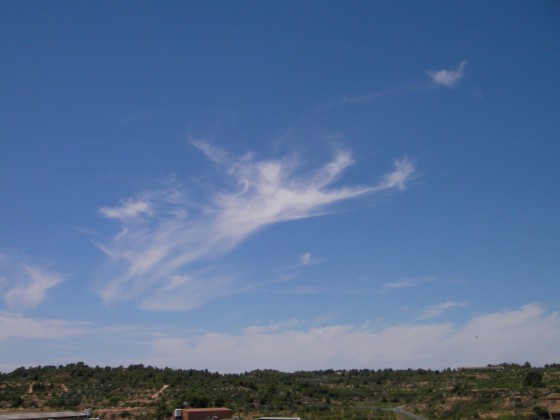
(164, 237)
(24, 285)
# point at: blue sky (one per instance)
(287, 185)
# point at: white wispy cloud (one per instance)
(436, 310)
(399, 284)
(308, 259)
(182, 293)
(128, 210)
(305, 258)
(445, 77)
(408, 283)
(530, 332)
(14, 325)
(25, 285)
(369, 96)
(448, 78)
(527, 333)
(274, 327)
(62, 341)
(163, 235)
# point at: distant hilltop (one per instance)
(147, 393)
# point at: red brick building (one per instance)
(553, 405)
(202, 414)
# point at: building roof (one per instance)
(553, 396)
(44, 415)
(279, 418)
(195, 410)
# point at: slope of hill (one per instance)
(142, 392)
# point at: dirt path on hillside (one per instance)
(157, 394)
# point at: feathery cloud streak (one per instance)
(446, 77)
(163, 235)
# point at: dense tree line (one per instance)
(140, 391)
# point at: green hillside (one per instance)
(143, 392)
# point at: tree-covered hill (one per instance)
(145, 392)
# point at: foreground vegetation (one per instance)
(143, 392)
